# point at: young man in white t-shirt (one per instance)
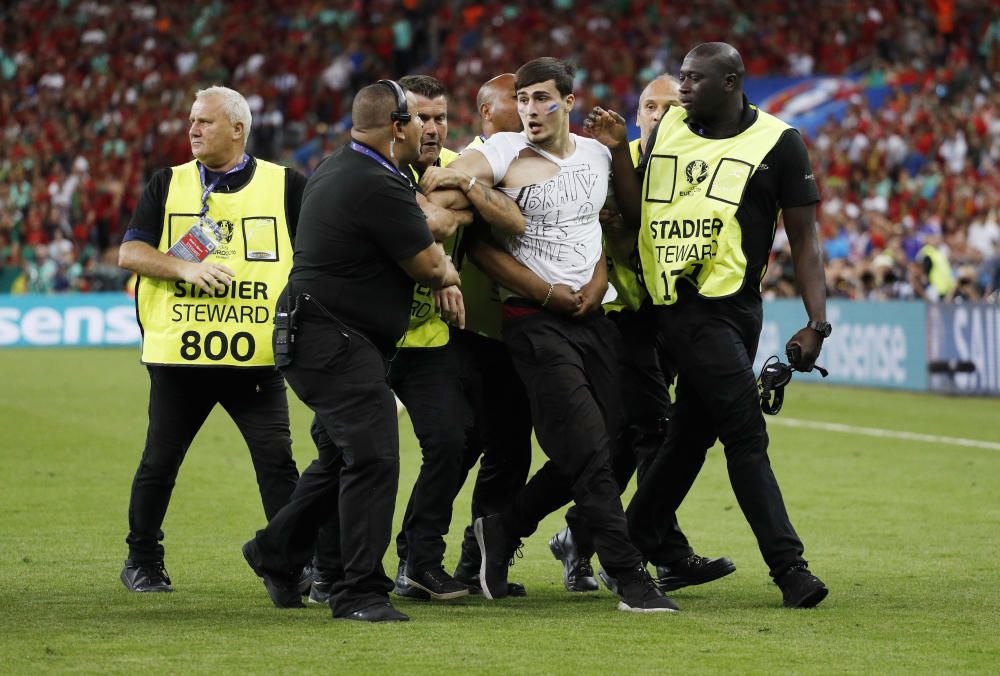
(561, 344)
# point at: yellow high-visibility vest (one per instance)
(183, 325)
(691, 192)
(622, 274)
(426, 328)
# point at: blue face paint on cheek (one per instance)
(552, 108)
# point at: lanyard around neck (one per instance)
(368, 152)
(214, 184)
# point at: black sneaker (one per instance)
(403, 587)
(578, 576)
(497, 549)
(283, 590)
(609, 582)
(149, 577)
(639, 594)
(800, 588)
(379, 612)
(306, 579)
(319, 591)
(692, 570)
(440, 585)
(514, 589)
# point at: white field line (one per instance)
(887, 434)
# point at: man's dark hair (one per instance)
(372, 107)
(544, 69)
(423, 85)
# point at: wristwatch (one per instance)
(822, 328)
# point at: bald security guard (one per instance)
(714, 183)
(362, 243)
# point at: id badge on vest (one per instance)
(198, 242)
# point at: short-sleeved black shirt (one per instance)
(359, 219)
(783, 179)
(147, 221)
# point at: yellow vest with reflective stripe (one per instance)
(622, 273)
(184, 325)
(940, 276)
(691, 192)
(427, 329)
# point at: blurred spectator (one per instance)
(82, 126)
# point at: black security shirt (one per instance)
(359, 220)
(147, 221)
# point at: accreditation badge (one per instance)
(198, 242)
(260, 238)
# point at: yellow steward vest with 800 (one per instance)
(692, 190)
(622, 273)
(184, 325)
(426, 328)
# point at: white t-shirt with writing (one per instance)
(562, 240)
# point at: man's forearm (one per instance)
(628, 187)
(147, 261)
(505, 270)
(496, 208)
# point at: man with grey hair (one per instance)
(211, 241)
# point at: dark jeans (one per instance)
(427, 382)
(646, 375)
(500, 438)
(351, 487)
(180, 399)
(570, 371)
(712, 344)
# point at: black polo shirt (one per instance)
(359, 220)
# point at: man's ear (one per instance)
(570, 100)
(486, 111)
(239, 131)
(730, 82)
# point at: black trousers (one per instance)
(712, 344)
(500, 437)
(646, 375)
(351, 486)
(180, 399)
(570, 371)
(427, 382)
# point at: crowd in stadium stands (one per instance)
(95, 97)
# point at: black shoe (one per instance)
(578, 576)
(609, 582)
(497, 550)
(692, 570)
(403, 587)
(149, 577)
(319, 591)
(438, 584)
(800, 588)
(514, 589)
(380, 612)
(306, 579)
(284, 591)
(639, 594)
(467, 569)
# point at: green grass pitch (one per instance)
(905, 533)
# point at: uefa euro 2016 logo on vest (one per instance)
(696, 172)
(226, 234)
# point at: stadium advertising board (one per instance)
(872, 344)
(72, 320)
(966, 332)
